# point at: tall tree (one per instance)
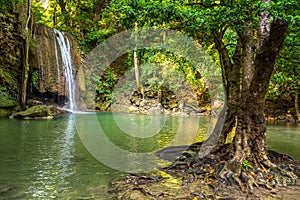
(248, 36)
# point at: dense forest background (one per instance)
(93, 21)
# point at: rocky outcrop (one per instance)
(164, 101)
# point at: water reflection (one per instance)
(50, 179)
(118, 140)
(285, 138)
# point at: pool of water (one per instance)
(46, 159)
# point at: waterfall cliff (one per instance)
(56, 72)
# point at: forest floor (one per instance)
(188, 178)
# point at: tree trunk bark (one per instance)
(25, 64)
(263, 27)
(250, 138)
(297, 101)
(231, 77)
(247, 58)
(136, 69)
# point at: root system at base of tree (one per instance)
(212, 177)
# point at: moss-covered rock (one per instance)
(35, 112)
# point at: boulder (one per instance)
(34, 112)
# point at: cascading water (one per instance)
(65, 50)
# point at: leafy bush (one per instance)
(6, 99)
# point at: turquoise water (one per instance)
(285, 138)
(46, 159)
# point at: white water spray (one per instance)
(65, 50)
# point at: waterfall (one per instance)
(57, 63)
(65, 51)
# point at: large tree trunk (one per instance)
(250, 138)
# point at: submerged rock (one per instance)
(34, 112)
(5, 189)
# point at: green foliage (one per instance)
(164, 65)
(246, 164)
(6, 6)
(287, 69)
(105, 85)
(38, 12)
(7, 79)
(35, 78)
(96, 37)
(6, 99)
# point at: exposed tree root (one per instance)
(211, 177)
(217, 171)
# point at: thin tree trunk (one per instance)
(160, 94)
(139, 86)
(297, 101)
(231, 77)
(136, 69)
(25, 64)
(54, 16)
